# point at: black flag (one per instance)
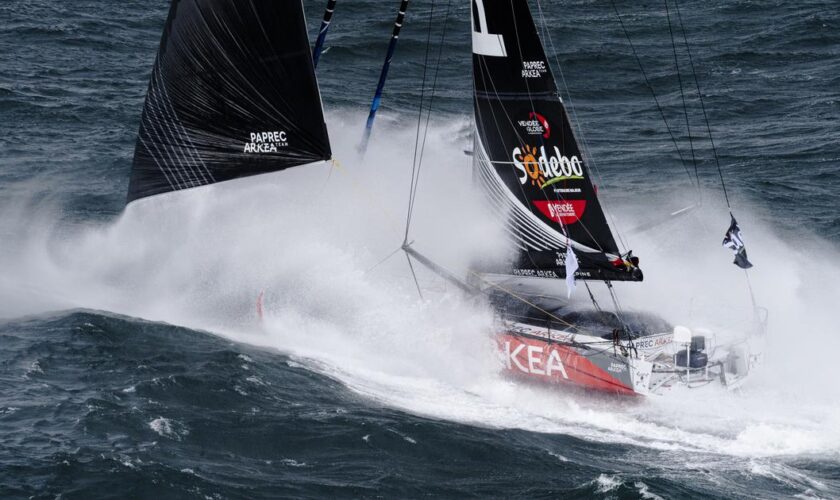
(734, 242)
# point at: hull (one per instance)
(647, 366)
(579, 361)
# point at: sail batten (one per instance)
(232, 94)
(527, 156)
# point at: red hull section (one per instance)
(551, 362)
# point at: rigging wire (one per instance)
(650, 86)
(382, 261)
(585, 150)
(711, 140)
(414, 275)
(418, 161)
(702, 104)
(414, 166)
(592, 297)
(577, 329)
(619, 312)
(682, 96)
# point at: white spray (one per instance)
(313, 239)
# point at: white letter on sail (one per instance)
(518, 164)
(484, 43)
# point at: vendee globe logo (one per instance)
(536, 124)
(544, 169)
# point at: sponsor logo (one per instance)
(617, 367)
(534, 273)
(536, 124)
(555, 335)
(533, 69)
(562, 211)
(535, 360)
(651, 346)
(266, 142)
(540, 273)
(543, 169)
(653, 342)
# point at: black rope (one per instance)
(652, 91)
(682, 94)
(702, 104)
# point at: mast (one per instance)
(377, 96)
(322, 33)
(527, 158)
(232, 94)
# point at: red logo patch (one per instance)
(562, 211)
(540, 118)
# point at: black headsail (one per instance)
(526, 155)
(232, 94)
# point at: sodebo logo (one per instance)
(544, 170)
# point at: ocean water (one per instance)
(132, 363)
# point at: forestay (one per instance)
(232, 94)
(526, 155)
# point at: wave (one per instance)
(312, 239)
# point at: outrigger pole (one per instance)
(322, 33)
(440, 271)
(377, 97)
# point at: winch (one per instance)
(694, 355)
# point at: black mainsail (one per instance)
(232, 94)
(526, 155)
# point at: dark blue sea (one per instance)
(132, 363)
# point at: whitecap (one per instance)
(168, 428)
(605, 483)
(644, 491)
(34, 367)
